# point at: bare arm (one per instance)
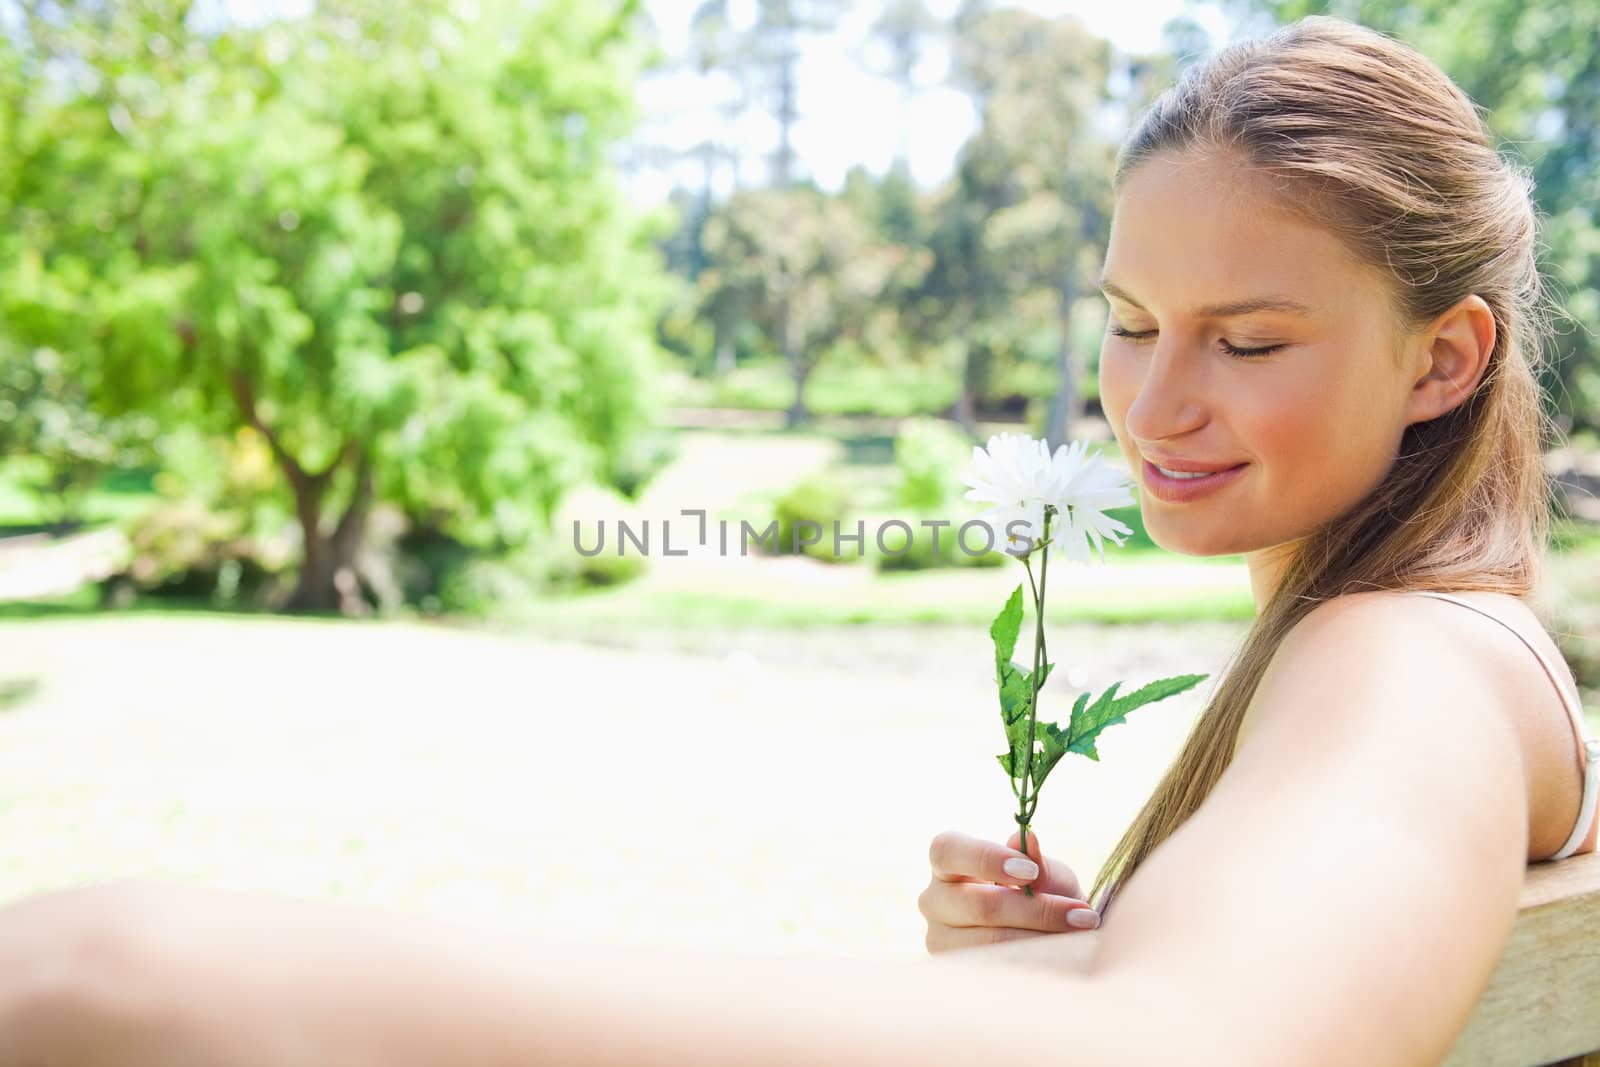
(1053, 954)
(222, 979)
(1341, 898)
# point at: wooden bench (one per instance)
(1542, 1005)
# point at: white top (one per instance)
(1590, 748)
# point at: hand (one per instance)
(971, 900)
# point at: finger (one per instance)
(959, 857)
(981, 904)
(1054, 876)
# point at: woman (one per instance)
(1323, 288)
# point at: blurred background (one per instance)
(325, 327)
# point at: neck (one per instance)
(1266, 571)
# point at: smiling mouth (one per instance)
(1183, 486)
(1181, 474)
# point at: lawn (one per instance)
(729, 796)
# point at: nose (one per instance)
(1173, 397)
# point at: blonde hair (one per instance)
(1374, 142)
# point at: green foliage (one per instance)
(45, 415)
(1133, 519)
(1004, 632)
(566, 568)
(823, 499)
(645, 456)
(118, 495)
(803, 267)
(920, 553)
(1017, 230)
(1088, 720)
(928, 454)
(481, 584)
(185, 550)
(842, 384)
(387, 239)
(847, 383)
(1016, 686)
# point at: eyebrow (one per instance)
(1221, 311)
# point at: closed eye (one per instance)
(1231, 350)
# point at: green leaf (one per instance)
(1013, 762)
(1109, 709)
(1056, 745)
(1005, 628)
(1016, 697)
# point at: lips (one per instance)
(1189, 466)
(1181, 490)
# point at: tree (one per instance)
(46, 411)
(44, 414)
(808, 267)
(905, 29)
(387, 239)
(1030, 204)
(714, 49)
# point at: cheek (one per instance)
(1324, 441)
(1118, 388)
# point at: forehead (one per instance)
(1193, 230)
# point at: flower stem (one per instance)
(1038, 597)
(1025, 813)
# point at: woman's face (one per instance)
(1311, 426)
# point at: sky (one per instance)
(848, 115)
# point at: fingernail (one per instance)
(1017, 867)
(1083, 918)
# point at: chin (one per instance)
(1198, 543)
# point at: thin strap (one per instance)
(1590, 748)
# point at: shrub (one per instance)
(645, 457)
(566, 568)
(929, 454)
(919, 554)
(184, 549)
(819, 498)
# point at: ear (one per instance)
(1451, 358)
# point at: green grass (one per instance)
(121, 495)
(944, 596)
(765, 385)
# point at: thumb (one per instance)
(1054, 876)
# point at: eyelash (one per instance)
(1242, 353)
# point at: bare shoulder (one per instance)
(1402, 642)
(1374, 820)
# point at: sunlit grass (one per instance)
(120, 495)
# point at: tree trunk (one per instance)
(965, 409)
(722, 329)
(788, 109)
(799, 367)
(1066, 407)
(328, 580)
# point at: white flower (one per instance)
(1088, 490)
(1019, 478)
(1014, 475)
